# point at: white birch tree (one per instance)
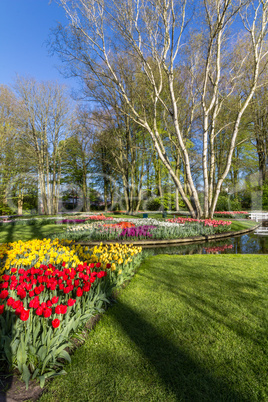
(154, 38)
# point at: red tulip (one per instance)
(19, 310)
(86, 287)
(24, 315)
(13, 285)
(3, 294)
(71, 302)
(47, 312)
(67, 289)
(55, 323)
(54, 299)
(39, 311)
(16, 304)
(63, 309)
(22, 294)
(34, 303)
(10, 301)
(58, 309)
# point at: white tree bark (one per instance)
(151, 36)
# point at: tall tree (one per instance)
(152, 35)
(259, 118)
(126, 153)
(8, 134)
(44, 121)
(76, 153)
(13, 162)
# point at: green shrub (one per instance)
(223, 203)
(153, 204)
(116, 207)
(5, 210)
(226, 203)
(265, 198)
(245, 199)
(166, 202)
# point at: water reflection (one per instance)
(246, 244)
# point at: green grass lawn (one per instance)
(187, 328)
(10, 233)
(240, 225)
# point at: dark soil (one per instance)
(12, 389)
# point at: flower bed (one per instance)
(219, 226)
(47, 291)
(71, 221)
(121, 225)
(99, 218)
(139, 232)
(146, 229)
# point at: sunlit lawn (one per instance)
(240, 225)
(187, 328)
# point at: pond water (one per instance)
(246, 244)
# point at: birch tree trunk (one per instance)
(162, 58)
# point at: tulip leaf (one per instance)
(42, 380)
(65, 355)
(21, 355)
(26, 375)
(14, 346)
(42, 353)
(36, 331)
(48, 357)
(35, 373)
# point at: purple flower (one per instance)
(72, 221)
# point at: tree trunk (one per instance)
(20, 202)
(105, 194)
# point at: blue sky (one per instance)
(24, 29)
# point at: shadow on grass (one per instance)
(46, 231)
(11, 233)
(36, 232)
(9, 237)
(226, 307)
(184, 377)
